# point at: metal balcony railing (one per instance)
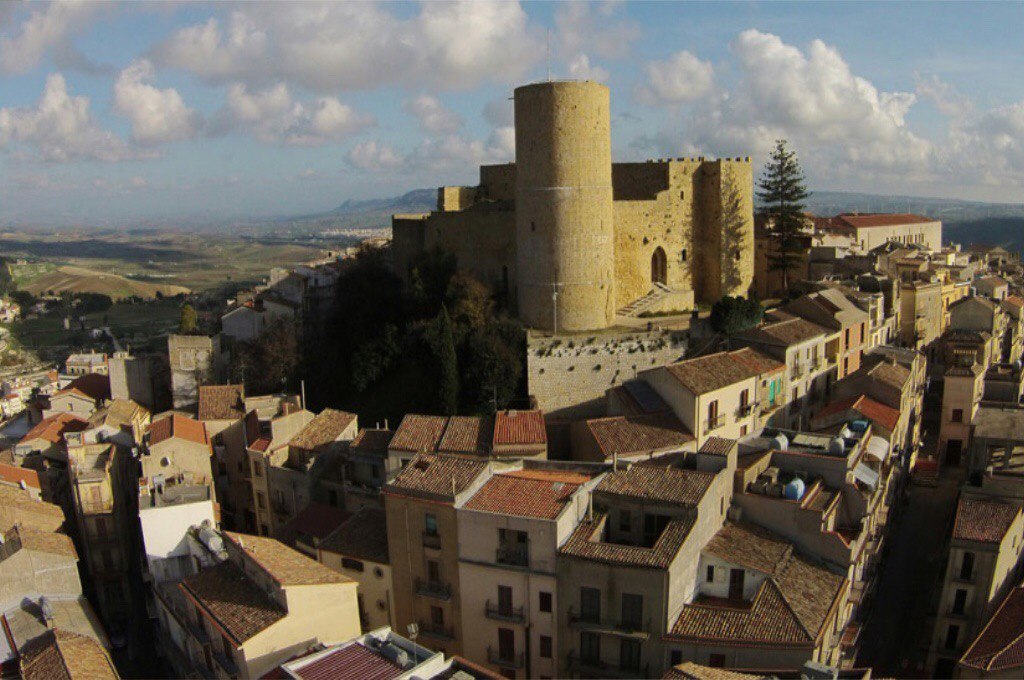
(434, 589)
(513, 555)
(431, 540)
(744, 410)
(505, 660)
(437, 631)
(499, 613)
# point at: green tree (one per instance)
(732, 315)
(189, 320)
(442, 342)
(782, 192)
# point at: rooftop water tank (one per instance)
(836, 446)
(794, 491)
(859, 426)
(780, 442)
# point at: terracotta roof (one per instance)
(671, 485)
(439, 476)
(324, 429)
(234, 601)
(91, 386)
(18, 507)
(715, 371)
(992, 281)
(418, 433)
(890, 373)
(509, 494)
(316, 520)
(372, 441)
(520, 428)
(786, 332)
(984, 521)
(868, 220)
(791, 607)
(691, 671)
(177, 425)
(363, 536)
(1000, 645)
(52, 429)
(63, 655)
(353, 660)
(49, 542)
(221, 402)
(717, 446)
(624, 435)
(285, 565)
(15, 475)
(468, 435)
(119, 412)
(879, 413)
(587, 543)
(1014, 300)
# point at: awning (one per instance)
(866, 475)
(878, 448)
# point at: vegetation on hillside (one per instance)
(732, 315)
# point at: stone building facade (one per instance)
(572, 238)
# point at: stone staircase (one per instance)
(637, 306)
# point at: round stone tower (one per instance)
(565, 263)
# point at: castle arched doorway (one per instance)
(659, 266)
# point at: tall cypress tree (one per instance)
(782, 192)
(447, 363)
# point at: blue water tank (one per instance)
(859, 426)
(794, 490)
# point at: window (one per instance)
(349, 563)
(545, 646)
(682, 255)
(505, 600)
(545, 602)
(506, 643)
(437, 616)
(713, 415)
(590, 604)
(625, 521)
(590, 647)
(261, 500)
(430, 524)
(632, 611)
(958, 415)
(846, 337)
(967, 567)
(959, 601)
(711, 574)
(433, 571)
(952, 633)
(257, 468)
(629, 655)
(264, 530)
(716, 660)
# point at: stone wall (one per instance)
(568, 375)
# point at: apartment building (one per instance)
(993, 287)
(726, 394)
(1013, 338)
(921, 312)
(261, 606)
(831, 309)
(84, 363)
(981, 315)
(984, 563)
(358, 548)
(121, 421)
(222, 411)
(364, 471)
(423, 541)
(82, 397)
(267, 436)
(962, 390)
(810, 354)
(510, 530)
(629, 567)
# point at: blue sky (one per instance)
(170, 113)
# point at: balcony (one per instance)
(744, 410)
(89, 507)
(437, 631)
(499, 613)
(496, 658)
(434, 589)
(431, 540)
(513, 556)
(595, 668)
(714, 423)
(634, 630)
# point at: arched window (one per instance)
(659, 266)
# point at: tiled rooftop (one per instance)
(177, 425)
(715, 371)
(984, 521)
(52, 429)
(519, 428)
(353, 660)
(324, 429)
(868, 220)
(285, 565)
(91, 385)
(672, 485)
(691, 671)
(372, 441)
(875, 411)
(1000, 645)
(717, 446)
(221, 402)
(18, 507)
(469, 435)
(234, 601)
(364, 536)
(49, 542)
(786, 332)
(437, 476)
(625, 435)
(59, 654)
(316, 520)
(587, 543)
(524, 496)
(418, 433)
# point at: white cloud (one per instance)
(947, 99)
(275, 118)
(61, 127)
(682, 78)
(373, 157)
(330, 46)
(499, 112)
(594, 28)
(433, 116)
(156, 115)
(48, 28)
(137, 182)
(581, 69)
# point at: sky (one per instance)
(166, 114)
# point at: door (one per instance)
(954, 447)
(659, 266)
(506, 643)
(504, 600)
(736, 584)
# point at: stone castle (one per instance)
(573, 239)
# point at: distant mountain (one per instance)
(417, 200)
(946, 209)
